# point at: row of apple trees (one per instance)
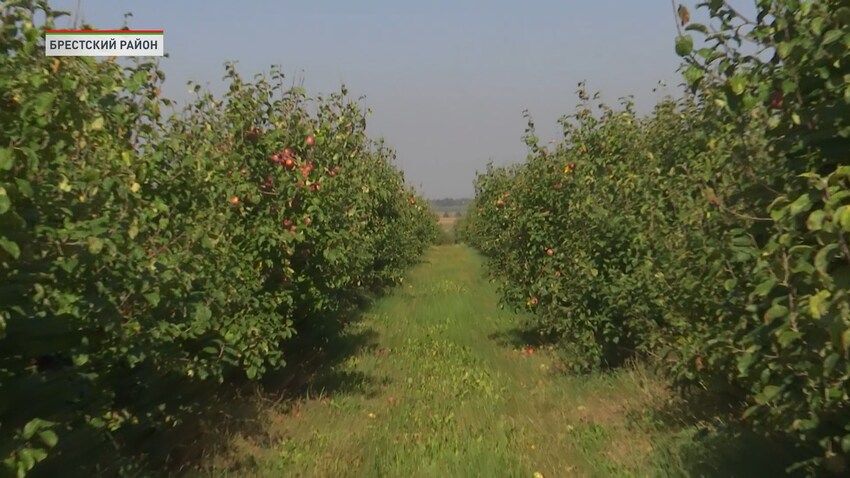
(711, 233)
(139, 243)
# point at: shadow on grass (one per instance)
(193, 420)
(523, 337)
(697, 434)
(708, 440)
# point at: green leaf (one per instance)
(770, 392)
(842, 217)
(788, 336)
(136, 81)
(65, 185)
(830, 362)
(38, 454)
(68, 264)
(5, 202)
(97, 124)
(27, 460)
(30, 428)
(43, 102)
(800, 249)
(738, 84)
(745, 361)
(202, 313)
(696, 27)
(5, 159)
(783, 49)
(95, 245)
(763, 289)
(840, 172)
(48, 437)
(153, 298)
(775, 312)
(34, 426)
(331, 255)
(751, 410)
(801, 204)
(824, 257)
(845, 340)
(816, 25)
(815, 221)
(693, 75)
(24, 187)
(684, 45)
(819, 303)
(10, 247)
(831, 36)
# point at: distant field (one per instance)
(448, 223)
(448, 220)
(451, 206)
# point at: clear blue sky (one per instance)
(447, 81)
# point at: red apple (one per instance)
(288, 163)
(305, 171)
(311, 140)
(776, 100)
(234, 200)
(550, 252)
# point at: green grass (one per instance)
(440, 387)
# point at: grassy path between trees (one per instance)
(437, 380)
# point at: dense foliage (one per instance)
(137, 246)
(711, 233)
